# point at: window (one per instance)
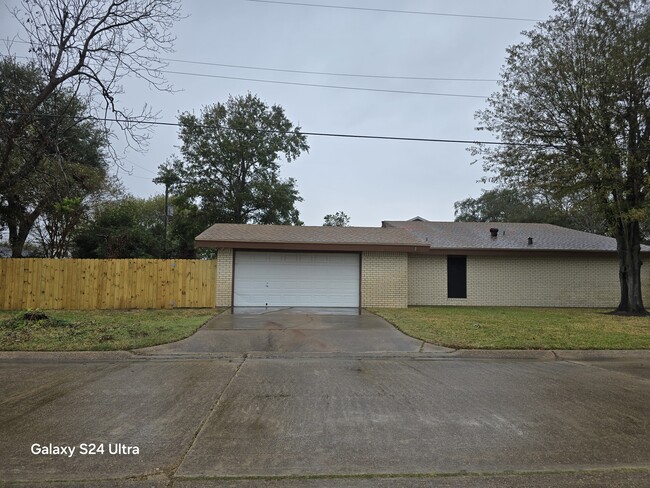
(456, 276)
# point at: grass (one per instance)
(98, 330)
(521, 328)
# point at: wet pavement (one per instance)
(388, 415)
(293, 330)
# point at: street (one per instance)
(337, 418)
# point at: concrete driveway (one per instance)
(295, 330)
(346, 419)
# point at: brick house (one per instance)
(414, 262)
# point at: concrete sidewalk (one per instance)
(502, 354)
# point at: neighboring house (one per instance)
(414, 262)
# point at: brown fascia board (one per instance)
(412, 249)
(311, 246)
(523, 252)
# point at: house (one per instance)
(414, 262)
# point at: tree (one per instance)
(574, 113)
(87, 47)
(230, 163)
(55, 228)
(64, 150)
(512, 205)
(502, 205)
(125, 228)
(187, 222)
(339, 219)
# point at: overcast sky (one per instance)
(370, 180)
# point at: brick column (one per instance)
(224, 277)
(384, 279)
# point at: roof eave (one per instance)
(523, 252)
(312, 246)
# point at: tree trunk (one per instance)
(628, 240)
(16, 242)
(20, 225)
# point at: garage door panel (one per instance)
(296, 279)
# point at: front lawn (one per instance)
(98, 330)
(520, 328)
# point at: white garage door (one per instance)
(296, 279)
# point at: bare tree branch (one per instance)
(89, 46)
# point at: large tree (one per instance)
(230, 164)
(338, 219)
(514, 205)
(127, 227)
(574, 114)
(65, 151)
(56, 227)
(87, 47)
(503, 205)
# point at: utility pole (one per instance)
(167, 177)
(166, 217)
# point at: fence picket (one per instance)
(82, 284)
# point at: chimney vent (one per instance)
(530, 241)
(494, 232)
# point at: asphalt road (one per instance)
(313, 417)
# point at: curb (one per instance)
(523, 354)
(67, 355)
(627, 354)
(503, 354)
(553, 355)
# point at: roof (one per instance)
(289, 237)
(476, 236)
(411, 236)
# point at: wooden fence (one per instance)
(83, 284)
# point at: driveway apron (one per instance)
(288, 330)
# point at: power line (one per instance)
(316, 85)
(385, 10)
(322, 134)
(330, 73)
(131, 175)
(141, 167)
(314, 134)
(319, 85)
(307, 72)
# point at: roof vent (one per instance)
(530, 241)
(494, 232)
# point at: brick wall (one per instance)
(391, 279)
(520, 281)
(224, 277)
(384, 279)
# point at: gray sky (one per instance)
(370, 180)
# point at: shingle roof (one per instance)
(246, 235)
(409, 236)
(511, 236)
